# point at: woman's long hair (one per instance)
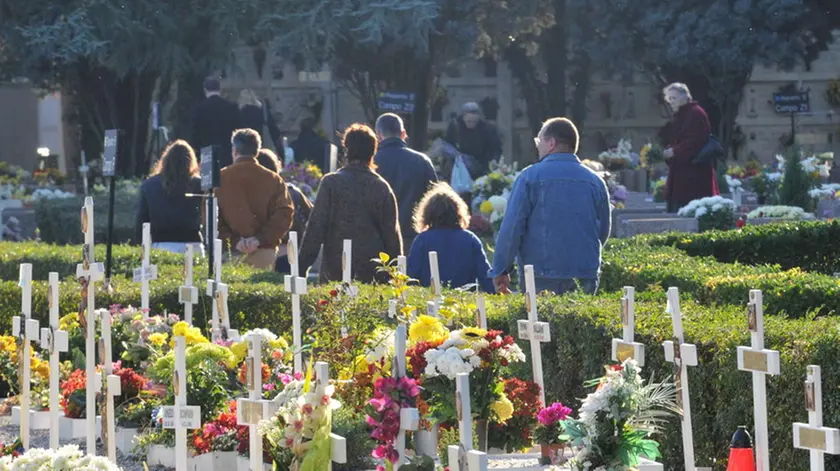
(248, 97)
(176, 166)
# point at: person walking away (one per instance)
(472, 135)
(441, 220)
(214, 120)
(684, 136)
(255, 114)
(410, 173)
(309, 146)
(303, 208)
(174, 218)
(557, 218)
(353, 203)
(255, 211)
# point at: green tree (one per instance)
(795, 183)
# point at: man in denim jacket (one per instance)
(557, 218)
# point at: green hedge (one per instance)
(581, 328)
(792, 292)
(59, 220)
(812, 246)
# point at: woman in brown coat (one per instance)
(353, 203)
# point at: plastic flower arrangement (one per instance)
(389, 396)
(616, 421)
(69, 457)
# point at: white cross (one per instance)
(462, 457)
(146, 272)
(88, 273)
(682, 355)
(188, 294)
(222, 330)
(296, 285)
(25, 329)
(338, 444)
(213, 286)
(409, 417)
(54, 341)
(252, 410)
(626, 347)
(402, 264)
(813, 436)
(434, 275)
(110, 387)
(760, 362)
(181, 417)
(481, 312)
(347, 262)
(534, 331)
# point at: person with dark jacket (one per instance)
(175, 219)
(474, 136)
(684, 136)
(214, 121)
(255, 114)
(410, 173)
(441, 220)
(353, 203)
(309, 146)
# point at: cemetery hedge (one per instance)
(581, 328)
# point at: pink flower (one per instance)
(553, 414)
(285, 379)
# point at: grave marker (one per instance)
(813, 436)
(626, 347)
(409, 416)
(222, 329)
(402, 264)
(534, 331)
(252, 410)
(682, 355)
(481, 312)
(54, 341)
(110, 387)
(338, 444)
(462, 457)
(188, 294)
(296, 286)
(25, 330)
(760, 362)
(145, 272)
(181, 417)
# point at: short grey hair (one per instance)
(678, 87)
(246, 142)
(389, 125)
(471, 107)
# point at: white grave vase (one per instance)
(38, 420)
(244, 464)
(159, 455)
(72, 429)
(427, 441)
(125, 439)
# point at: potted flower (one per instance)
(547, 432)
(73, 401)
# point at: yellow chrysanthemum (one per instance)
(239, 350)
(41, 368)
(359, 364)
(486, 207)
(192, 335)
(427, 329)
(473, 333)
(69, 322)
(503, 409)
(157, 339)
(280, 343)
(7, 344)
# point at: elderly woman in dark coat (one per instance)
(353, 203)
(684, 136)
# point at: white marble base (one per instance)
(72, 429)
(38, 420)
(244, 464)
(159, 455)
(125, 439)
(427, 441)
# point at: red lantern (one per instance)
(741, 457)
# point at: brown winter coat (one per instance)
(353, 203)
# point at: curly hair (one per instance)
(360, 144)
(441, 207)
(176, 166)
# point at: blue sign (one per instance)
(396, 102)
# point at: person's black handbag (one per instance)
(709, 153)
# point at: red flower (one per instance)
(416, 356)
(333, 293)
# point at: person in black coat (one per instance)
(474, 136)
(410, 173)
(175, 219)
(214, 121)
(256, 115)
(311, 146)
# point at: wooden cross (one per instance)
(296, 286)
(212, 286)
(25, 330)
(409, 416)
(682, 355)
(338, 444)
(88, 273)
(534, 331)
(222, 329)
(181, 417)
(760, 362)
(813, 436)
(252, 410)
(145, 272)
(110, 387)
(54, 341)
(481, 312)
(462, 457)
(188, 294)
(626, 347)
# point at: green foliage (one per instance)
(354, 429)
(795, 183)
(59, 220)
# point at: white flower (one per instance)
(499, 204)
(267, 335)
(780, 212)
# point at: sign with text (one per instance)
(395, 102)
(209, 168)
(109, 153)
(190, 417)
(797, 102)
(145, 273)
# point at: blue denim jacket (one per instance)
(557, 219)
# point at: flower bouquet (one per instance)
(616, 421)
(306, 176)
(713, 212)
(650, 155)
(516, 434)
(548, 431)
(794, 213)
(620, 157)
(390, 395)
(69, 457)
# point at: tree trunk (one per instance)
(555, 56)
(533, 89)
